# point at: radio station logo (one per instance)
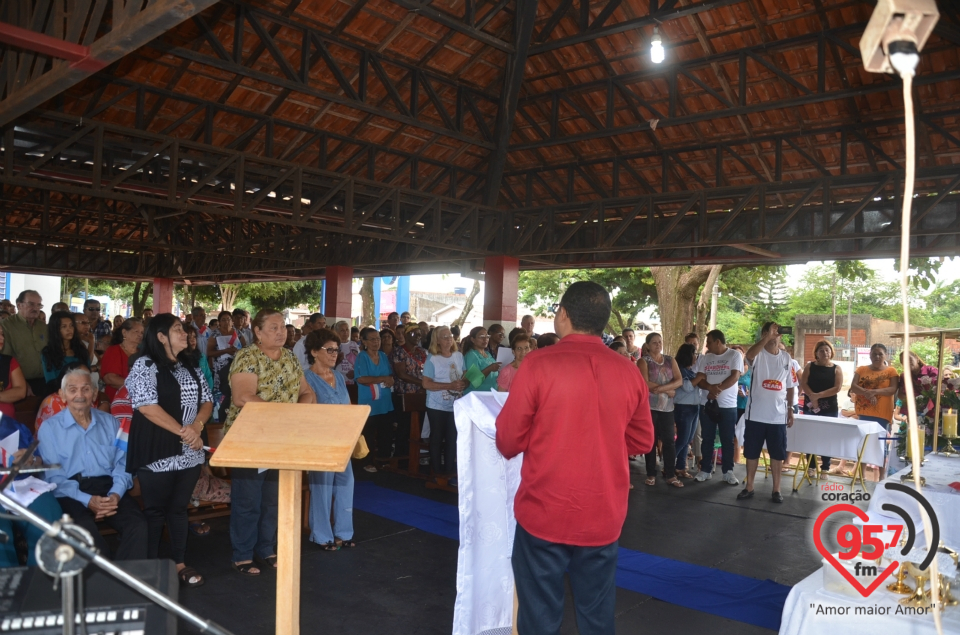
(867, 547)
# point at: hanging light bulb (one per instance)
(656, 47)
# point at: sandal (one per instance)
(199, 528)
(346, 544)
(190, 578)
(651, 480)
(269, 562)
(675, 482)
(683, 474)
(330, 546)
(246, 568)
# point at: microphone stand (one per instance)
(89, 553)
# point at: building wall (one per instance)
(866, 331)
(47, 286)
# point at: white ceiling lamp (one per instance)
(656, 47)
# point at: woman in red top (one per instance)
(13, 386)
(115, 365)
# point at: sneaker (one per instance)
(703, 476)
(369, 468)
(730, 479)
(452, 482)
(744, 494)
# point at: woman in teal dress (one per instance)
(482, 368)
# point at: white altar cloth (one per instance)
(487, 484)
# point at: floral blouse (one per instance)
(412, 365)
(277, 381)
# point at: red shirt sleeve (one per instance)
(516, 418)
(14, 364)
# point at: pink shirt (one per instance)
(505, 378)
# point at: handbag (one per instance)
(361, 450)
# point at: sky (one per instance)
(949, 272)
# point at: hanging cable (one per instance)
(905, 58)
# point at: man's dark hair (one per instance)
(392, 313)
(315, 318)
(86, 303)
(197, 310)
(766, 327)
(690, 336)
(239, 313)
(627, 330)
(588, 306)
(717, 334)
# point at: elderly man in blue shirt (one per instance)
(92, 481)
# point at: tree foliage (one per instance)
(632, 290)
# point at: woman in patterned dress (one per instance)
(171, 403)
(267, 372)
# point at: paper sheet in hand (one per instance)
(504, 356)
(8, 447)
(27, 490)
(223, 342)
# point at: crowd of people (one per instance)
(132, 399)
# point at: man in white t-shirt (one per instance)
(718, 371)
(769, 411)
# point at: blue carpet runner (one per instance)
(737, 597)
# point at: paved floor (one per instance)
(400, 580)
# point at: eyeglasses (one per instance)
(446, 337)
(372, 339)
(34, 305)
(93, 309)
(483, 337)
(522, 350)
(332, 350)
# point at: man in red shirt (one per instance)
(576, 410)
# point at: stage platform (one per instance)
(400, 579)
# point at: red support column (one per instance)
(162, 295)
(501, 274)
(338, 294)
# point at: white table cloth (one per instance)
(832, 436)
(939, 471)
(800, 613)
(487, 485)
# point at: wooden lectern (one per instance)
(292, 438)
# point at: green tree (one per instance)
(282, 295)
(631, 290)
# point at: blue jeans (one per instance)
(253, 513)
(708, 431)
(538, 571)
(46, 507)
(331, 489)
(685, 416)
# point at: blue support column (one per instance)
(323, 297)
(403, 294)
(376, 301)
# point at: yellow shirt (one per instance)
(277, 381)
(872, 380)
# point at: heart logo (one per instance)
(818, 541)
